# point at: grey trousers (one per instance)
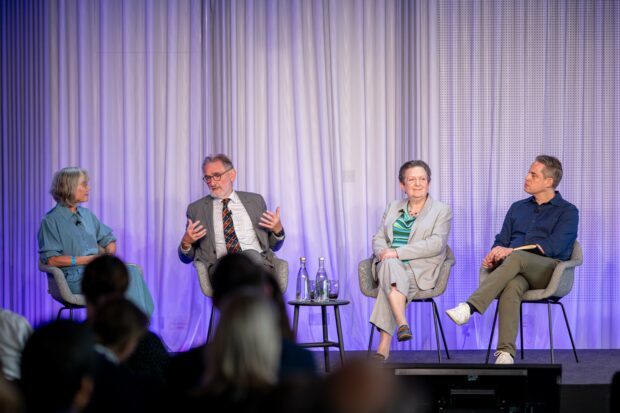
(392, 272)
(254, 255)
(519, 272)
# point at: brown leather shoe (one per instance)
(404, 333)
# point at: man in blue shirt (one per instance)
(538, 232)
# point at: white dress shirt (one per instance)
(242, 222)
(14, 332)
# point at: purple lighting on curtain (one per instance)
(317, 103)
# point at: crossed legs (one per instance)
(519, 272)
(396, 286)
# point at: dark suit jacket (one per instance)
(204, 249)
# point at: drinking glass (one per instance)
(312, 290)
(333, 289)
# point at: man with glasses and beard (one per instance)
(228, 221)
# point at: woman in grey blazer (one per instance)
(409, 248)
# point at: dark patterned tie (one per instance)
(232, 242)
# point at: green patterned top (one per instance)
(402, 230)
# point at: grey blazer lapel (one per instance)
(428, 205)
(208, 224)
(251, 208)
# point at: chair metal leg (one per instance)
(295, 321)
(436, 334)
(443, 336)
(572, 342)
(210, 329)
(550, 331)
(372, 332)
(339, 331)
(70, 312)
(521, 327)
(59, 313)
(325, 337)
(492, 333)
(437, 339)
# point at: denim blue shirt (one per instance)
(552, 225)
(63, 232)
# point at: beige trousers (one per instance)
(391, 272)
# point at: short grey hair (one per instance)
(64, 184)
(413, 164)
(553, 168)
(246, 349)
(218, 157)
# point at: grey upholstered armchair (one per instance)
(370, 288)
(58, 288)
(560, 284)
(281, 270)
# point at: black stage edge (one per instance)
(582, 387)
(481, 388)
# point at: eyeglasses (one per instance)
(216, 177)
(417, 181)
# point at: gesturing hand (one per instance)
(193, 233)
(271, 221)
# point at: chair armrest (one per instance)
(203, 278)
(281, 270)
(50, 269)
(57, 286)
(444, 274)
(561, 282)
(368, 286)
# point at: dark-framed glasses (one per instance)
(216, 177)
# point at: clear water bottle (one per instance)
(303, 281)
(322, 288)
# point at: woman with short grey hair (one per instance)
(409, 249)
(71, 236)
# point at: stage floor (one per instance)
(585, 386)
(594, 367)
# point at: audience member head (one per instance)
(246, 349)
(106, 276)
(65, 183)
(119, 325)
(235, 271)
(57, 367)
(238, 271)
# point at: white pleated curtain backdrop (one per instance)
(318, 103)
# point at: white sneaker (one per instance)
(459, 314)
(503, 358)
